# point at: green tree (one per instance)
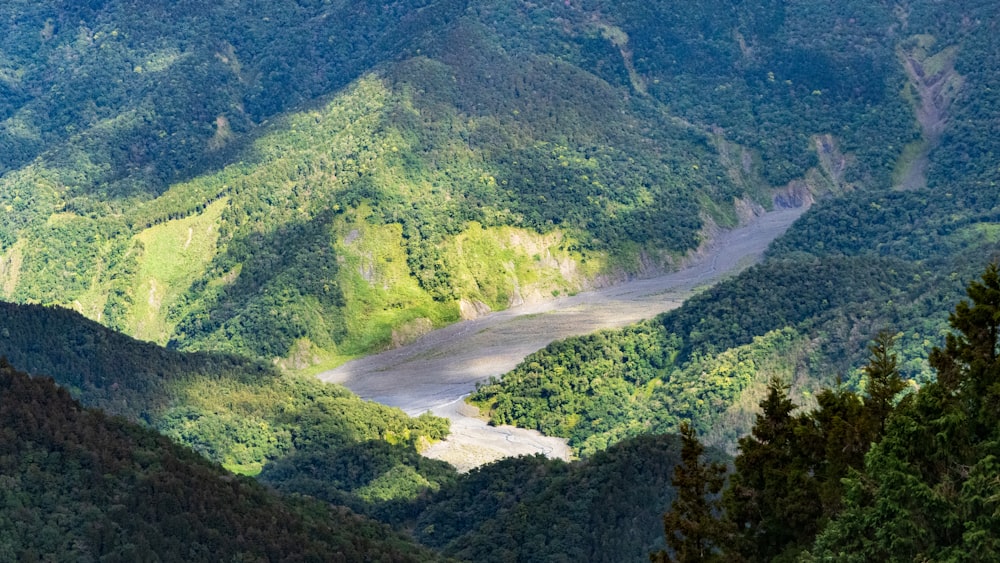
(773, 499)
(692, 526)
(884, 380)
(968, 363)
(835, 438)
(929, 489)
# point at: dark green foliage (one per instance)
(373, 477)
(238, 412)
(167, 71)
(852, 265)
(789, 474)
(692, 527)
(921, 491)
(105, 369)
(771, 75)
(552, 392)
(905, 225)
(884, 383)
(613, 121)
(785, 293)
(772, 497)
(606, 508)
(927, 484)
(963, 164)
(81, 486)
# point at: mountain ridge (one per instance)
(556, 120)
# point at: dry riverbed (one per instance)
(439, 370)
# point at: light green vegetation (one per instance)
(326, 191)
(172, 256)
(240, 413)
(340, 204)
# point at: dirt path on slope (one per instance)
(437, 371)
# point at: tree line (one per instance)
(874, 476)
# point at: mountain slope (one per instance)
(442, 158)
(237, 412)
(851, 266)
(79, 485)
(312, 439)
(607, 508)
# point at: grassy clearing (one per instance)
(492, 263)
(982, 233)
(176, 254)
(379, 292)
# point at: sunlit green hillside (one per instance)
(851, 266)
(311, 181)
(236, 412)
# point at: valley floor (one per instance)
(437, 371)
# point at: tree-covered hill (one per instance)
(236, 412)
(855, 264)
(310, 439)
(606, 508)
(315, 180)
(848, 269)
(81, 486)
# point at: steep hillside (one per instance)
(81, 486)
(236, 412)
(312, 181)
(312, 439)
(607, 508)
(850, 267)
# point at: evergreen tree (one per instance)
(772, 499)
(789, 474)
(835, 438)
(967, 366)
(694, 531)
(884, 381)
(929, 489)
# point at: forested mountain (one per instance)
(236, 412)
(304, 438)
(81, 486)
(805, 315)
(851, 266)
(607, 508)
(795, 468)
(252, 188)
(314, 180)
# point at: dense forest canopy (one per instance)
(82, 486)
(250, 189)
(341, 175)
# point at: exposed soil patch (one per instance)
(936, 85)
